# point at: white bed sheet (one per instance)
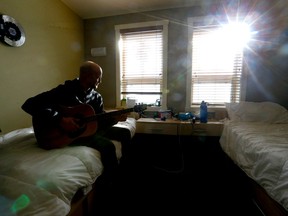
(261, 151)
(42, 182)
(129, 124)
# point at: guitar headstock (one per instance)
(139, 108)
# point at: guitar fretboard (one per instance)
(108, 114)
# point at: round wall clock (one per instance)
(11, 32)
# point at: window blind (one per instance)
(216, 67)
(141, 63)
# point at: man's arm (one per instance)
(40, 106)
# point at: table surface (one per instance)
(174, 121)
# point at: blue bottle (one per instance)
(203, 112)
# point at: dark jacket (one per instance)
(48, 105)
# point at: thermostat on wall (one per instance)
(99, 51)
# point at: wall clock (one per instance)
(11, 32)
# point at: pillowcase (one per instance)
(268, 112)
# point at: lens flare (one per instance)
(20, 203)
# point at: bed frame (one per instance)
(267, 205)
(86, 205)
(82, 204)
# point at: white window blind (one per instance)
(216, 66)
(141, 63)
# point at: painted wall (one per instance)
(54, 49)
(100, 32)
(52, 53)
(266, 63)
(267, 60)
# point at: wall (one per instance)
(54, 50)
(100, 32)
(52, 53)
(267, 18)
(268, 59)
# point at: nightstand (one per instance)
(177, 127)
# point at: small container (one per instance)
(165, 114)
(130, 102)
(123, 102)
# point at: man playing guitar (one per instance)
(57, 116)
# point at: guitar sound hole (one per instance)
(82, 126)
(78, 132)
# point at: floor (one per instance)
(184, 176)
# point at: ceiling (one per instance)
(87, 9)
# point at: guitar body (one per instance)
(53, 136)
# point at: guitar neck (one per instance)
(116, 112)
(108, 114)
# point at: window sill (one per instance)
(215, 112)
(209, 106)
(154, 108)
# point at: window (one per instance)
(141, 61)
(216, 54)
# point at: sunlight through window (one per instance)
(217, 55)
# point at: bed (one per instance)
(54, 182)
(255, 138)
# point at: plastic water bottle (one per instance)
(203, 112)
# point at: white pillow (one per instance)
(268, 112)
(16, 136)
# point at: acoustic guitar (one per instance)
(53, 136)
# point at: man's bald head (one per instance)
(90, 75)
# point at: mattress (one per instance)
(260, 149)
(42, 182)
